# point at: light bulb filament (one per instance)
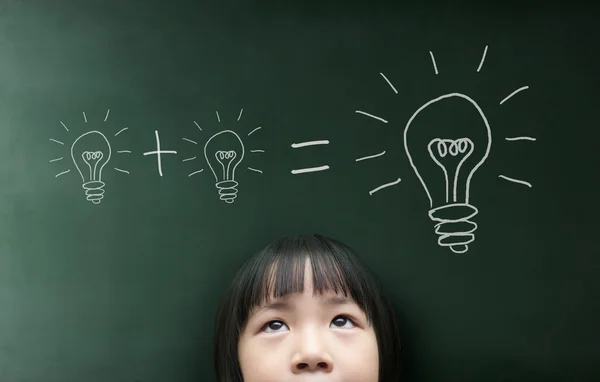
(225, 158)
(461, 148)
(92, 158)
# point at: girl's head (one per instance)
(306, 308)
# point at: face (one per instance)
(306, 338)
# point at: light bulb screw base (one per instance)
(454, 226)
(227, 190)
(94, 191)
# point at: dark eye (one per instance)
(273, 326)
(341, 321)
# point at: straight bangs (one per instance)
(281, 266)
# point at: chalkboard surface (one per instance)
(149, 148)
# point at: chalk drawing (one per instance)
(224, 151)
(158, 152)
(90, 152)
(439, 149)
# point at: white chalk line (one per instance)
(124, 152)
(513, 93)
(370, 156)
(197, 125)
(515, 180)
(310, 169)
(188, 159)
(258, 128)
(120, 131)
(218, 116)
(433, 60)
(371, 115)
(121, 170)
(65, 126)
(482, 59)
(84, 116)
(310, 143)
(106, 116)
(56, 160)
(257, 151)
(255, 170)
(389, 83)
(61, 173)
(189, 140)
(54, 140)
(196, 172)
(520, 139)
(384, 186)
(240, 116)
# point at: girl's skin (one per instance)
(306, 338)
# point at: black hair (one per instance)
(278, 270)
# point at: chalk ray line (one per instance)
(433, 60)
(514, 93)
(121, 170)
(106, 116)
(65, 126)
(120, 131)
(384, 186)
(197, 125)
(520, 139)
(482, 59)
(310, 169)
(240, 116)
(389, 83)
(515, 180)
(56, 159)
(258, 128)
(310, 143)
(370, 156)
(54, 140)
(189, 140)
(255, 170)
(371, 115)
(61, 173)
(195, 172)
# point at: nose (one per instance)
(312, 355)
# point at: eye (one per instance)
(342, 322)
(273, 326)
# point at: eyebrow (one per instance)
(284, 305)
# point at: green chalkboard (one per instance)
(119, 236)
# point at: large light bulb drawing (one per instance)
(90, 153)
(223, 152)
(445, 166)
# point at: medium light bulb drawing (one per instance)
(223, 152)
(446, 141)
(90, 153)
(457, 159)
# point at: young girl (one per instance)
(306, 308)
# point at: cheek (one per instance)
(361, 363)
(259, 363)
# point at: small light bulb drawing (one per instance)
(458, 159)
(223, 152)
(90, 153)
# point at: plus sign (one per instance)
(159, 152)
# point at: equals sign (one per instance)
(307, 144)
